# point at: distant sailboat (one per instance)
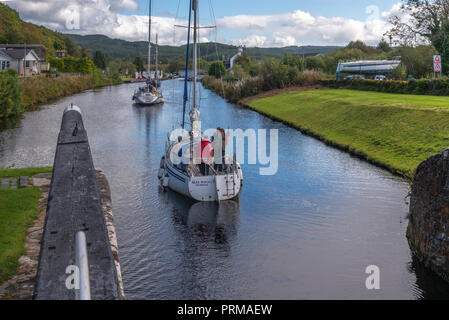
(195, 175)
(150, 94)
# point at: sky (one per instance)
(261, 23)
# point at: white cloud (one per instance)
(299, 28)
(251, 41)
(127, 5)
(293, 28)
(98, 17)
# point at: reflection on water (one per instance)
(9, 123)
(308, 232)
(206, 221)
(428, 284)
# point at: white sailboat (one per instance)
(190, 166)
(150, 94)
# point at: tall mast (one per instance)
(186, 77)
(195, 50)
(149, 43)
(157, 61)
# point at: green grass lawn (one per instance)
(28, 172)
(18, 210)
(397, 131)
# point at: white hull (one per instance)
(148, 99)
(369, 66)
(214, 187)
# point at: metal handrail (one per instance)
(83, 266)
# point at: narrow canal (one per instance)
(309, 232)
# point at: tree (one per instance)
(58, 45)
(275, 74)
(383, 46)
(85, 52)
(332, 59)
(427, 22)
(73, 65)
(72, 48)
(10, 94)
(100, 60)
(217, 69)
(84, 65)
(417, 61)
(361, 46)
(244, 61)
(315, 63)
(139, 64)
(294, 60)
(176, 65)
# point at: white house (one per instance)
(5, 61)
(25, 61)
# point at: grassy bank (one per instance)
(40, 90)
(395, 131)
(18, 210)
(28, 172)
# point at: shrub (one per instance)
(72, 65)
(308, 77)
(275, 74)
(422, 86)
(10, 94)
(217, 69)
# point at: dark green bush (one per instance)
(423, 86)
(413, 86)
(10, 94)
(72, 65)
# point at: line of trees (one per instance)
(427, 22)
(72, 65)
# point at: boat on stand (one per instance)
(150, 94)
(190, 165)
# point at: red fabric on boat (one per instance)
(206, 151)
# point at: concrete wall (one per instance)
(74, 205)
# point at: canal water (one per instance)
(308, 232)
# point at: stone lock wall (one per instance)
(428, 229)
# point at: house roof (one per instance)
(39, 49)
(20, 46)
(4, 54)
(18, 53)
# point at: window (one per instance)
(3, 66)
(27, 64)
(8, 65)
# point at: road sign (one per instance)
(437, 64)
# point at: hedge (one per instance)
(72, 65)
(234, 91)
(422, 86)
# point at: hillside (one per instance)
(14, 30)
(126, 49)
